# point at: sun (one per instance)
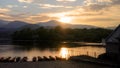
(65, 19)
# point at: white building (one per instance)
(113, 43)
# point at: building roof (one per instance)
(114, 37)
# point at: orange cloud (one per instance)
(40, 18)
(4, 10)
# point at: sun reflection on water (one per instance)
(64, 52)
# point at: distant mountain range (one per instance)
(54, 23)
(8, 27)
(49, 24)
(2, 23)
(15, 24)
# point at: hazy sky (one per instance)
(102, 13)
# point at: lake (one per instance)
(63, 51)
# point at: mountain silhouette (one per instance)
(15, 24)
(3, 22)
(54, 23)
(49, 24)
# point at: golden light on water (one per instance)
(64, 52)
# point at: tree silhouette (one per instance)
(60, 34)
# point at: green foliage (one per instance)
(60, 34)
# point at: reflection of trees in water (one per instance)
(42, 45)
(28, 45)
(36, 43)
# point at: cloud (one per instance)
(53, 6)
(26, 1)
(103, 0)
(4, 10)
(104, 16)
(25, 6)
(92, 12)
(85, 14)
(111, 2)
(42, 17)
(39, 18)
(116, 2)
(49, 6)
(5, 16)
(20, 15)
(66, 0)
(99, 4)
(15, 16)
(96, 5)
(11, 17)
(89, 2)
(11, 6)
(101, 19)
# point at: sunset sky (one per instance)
(103, 13)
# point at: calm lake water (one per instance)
(65, 52)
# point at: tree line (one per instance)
(61, 34)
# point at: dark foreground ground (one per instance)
(53, 64)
